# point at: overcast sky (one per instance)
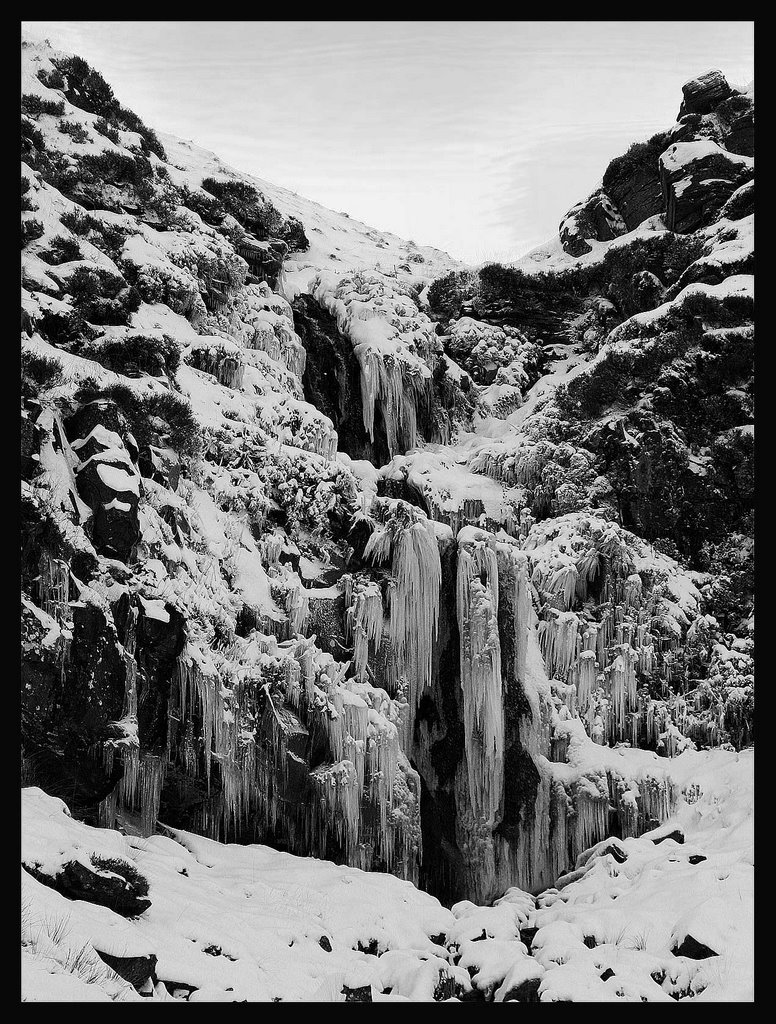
(472, 136)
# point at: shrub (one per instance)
(101, 296)
(57, 169)
(640, 154)
(115, 168)
(61, 250)
(31, 229)
(447, 294)
(247, 205)
(27, 204)
(37, 105)
(137, 353)
(109, 237)
(144, 412)
(126, 869)
(51, 79)
(63, 330)
(202, 203)
(104, 128)
(76, 131)
(86, 88)
(31, 137)
(39, 373)
(78, 222)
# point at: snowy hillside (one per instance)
(231, 923)
(333, 545)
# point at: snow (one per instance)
(265, 911)
(211, 550)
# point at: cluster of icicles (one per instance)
(251, 751)
(394, 345)
(244, 722)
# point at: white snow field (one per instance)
(234, 923)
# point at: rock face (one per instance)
(109, 483)
(597, 218)
(365, 585)
(698, 178)
(703, 94)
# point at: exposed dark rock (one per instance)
(694, 950)
(324, 943)
(111, 890)
(332, 381)
(357, 995)
(597, 218)
(676, 834)
(137, 970)
(109, 484)
(608, 973)
(704, 93)
(526, 992)
(31, 437)
(160, 464)
(696, 858)
(633, 181)
(697, 179)
(740, 204)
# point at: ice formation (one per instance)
(456, 667)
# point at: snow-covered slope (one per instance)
(235, 923)
(319, 556)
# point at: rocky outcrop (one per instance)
(698, 178)
(596, 219)
(109, 883)
(704, 93)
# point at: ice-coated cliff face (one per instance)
(440, 588)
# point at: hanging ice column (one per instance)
(392, 341)
(477, 606)
(409, 539)
(363, 620)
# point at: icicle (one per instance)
(621, 676)
(54, 587)
(591, 803)
(480, 654)
(404, 854)
(151, 779)
(559, 642)
(106, 809)
(337, 806)
(414, 598)
(363, 621)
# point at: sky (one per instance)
(475, 137)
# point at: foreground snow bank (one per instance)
(237, 923)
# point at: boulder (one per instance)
(693, 949)
(363, 994)
(731, 125)
(105, 886)
(137, 970)
(160, 464)
(109, 483)
(704, 93)
(597, 219)
(526, 992)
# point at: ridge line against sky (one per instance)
(475, 137)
